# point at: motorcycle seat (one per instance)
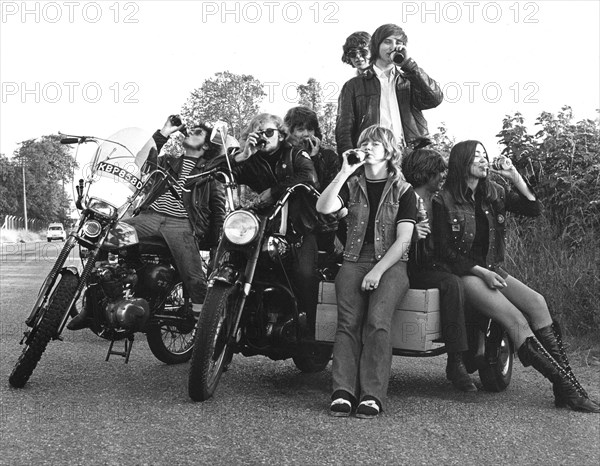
(154, 247)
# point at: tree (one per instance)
(230, 97)
(48, 167)
(327, 121)
(563, 160)
(442, 142)
(311, 95)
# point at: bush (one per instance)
(568, 278)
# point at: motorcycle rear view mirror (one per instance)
(219, 133)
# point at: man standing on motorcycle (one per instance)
(184, 220)
(269, 164)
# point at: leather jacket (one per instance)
(293, 166)
(358, 104)
(358, 216)
(454, 228)
(205, 204)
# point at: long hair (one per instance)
(304, 117)
(459, 167)
(258, 120)
(381, 33)
(421, 165)
(386, 137)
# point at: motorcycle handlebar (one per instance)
(69, 140)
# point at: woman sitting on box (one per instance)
(425, 169)
(469, 217)
(372, 279)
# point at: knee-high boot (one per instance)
(533, 353)
(551, 338)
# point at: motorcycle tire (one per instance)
(172, 343)
(313, 358)
(44, 330)
(211, 345)
(496, 377)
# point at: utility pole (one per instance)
(24, 189)
(24, 197)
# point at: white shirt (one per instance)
(389, 111)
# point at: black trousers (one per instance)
(452, 304)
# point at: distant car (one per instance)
(56, 231)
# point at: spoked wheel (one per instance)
(173, 342)
(495, 375)
(44, 329)
(211, 349)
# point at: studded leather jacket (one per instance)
(454, 229)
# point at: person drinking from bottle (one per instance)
(373, 279)
(426, 169)
(268, 164)
(469, 220)
(392, 92)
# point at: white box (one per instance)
(415, 325)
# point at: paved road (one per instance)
(79, 409)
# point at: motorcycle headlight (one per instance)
(240, 227)
(102, 208)
(91, 228)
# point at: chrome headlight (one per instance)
(91, 228)
(240, 227)
(102, 208)
(277, 246)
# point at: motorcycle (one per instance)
(127, 287)
(250, 306)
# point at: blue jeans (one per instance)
(178, 236)
(362, 352)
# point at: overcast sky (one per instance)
(95, 67)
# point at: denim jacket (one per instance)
(454, 229)
(358, 216)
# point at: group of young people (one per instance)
(462, 243)
(372, 205)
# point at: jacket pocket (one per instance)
(456, 221)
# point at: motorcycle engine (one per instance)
(156, 279)
(122, 309)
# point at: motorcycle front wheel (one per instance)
(173, 342)
(44, 329)
(211, 346)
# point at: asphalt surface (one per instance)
(79, 409)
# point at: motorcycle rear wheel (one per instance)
(211, 346)
(496, 377)
(44, 330)
(169, 342)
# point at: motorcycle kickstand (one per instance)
(125, 353)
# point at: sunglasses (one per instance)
(358, 53)
(196, 131)
(267, 132)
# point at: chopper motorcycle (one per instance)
(126, 286)
(250, 306)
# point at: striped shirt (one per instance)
(166, 204)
